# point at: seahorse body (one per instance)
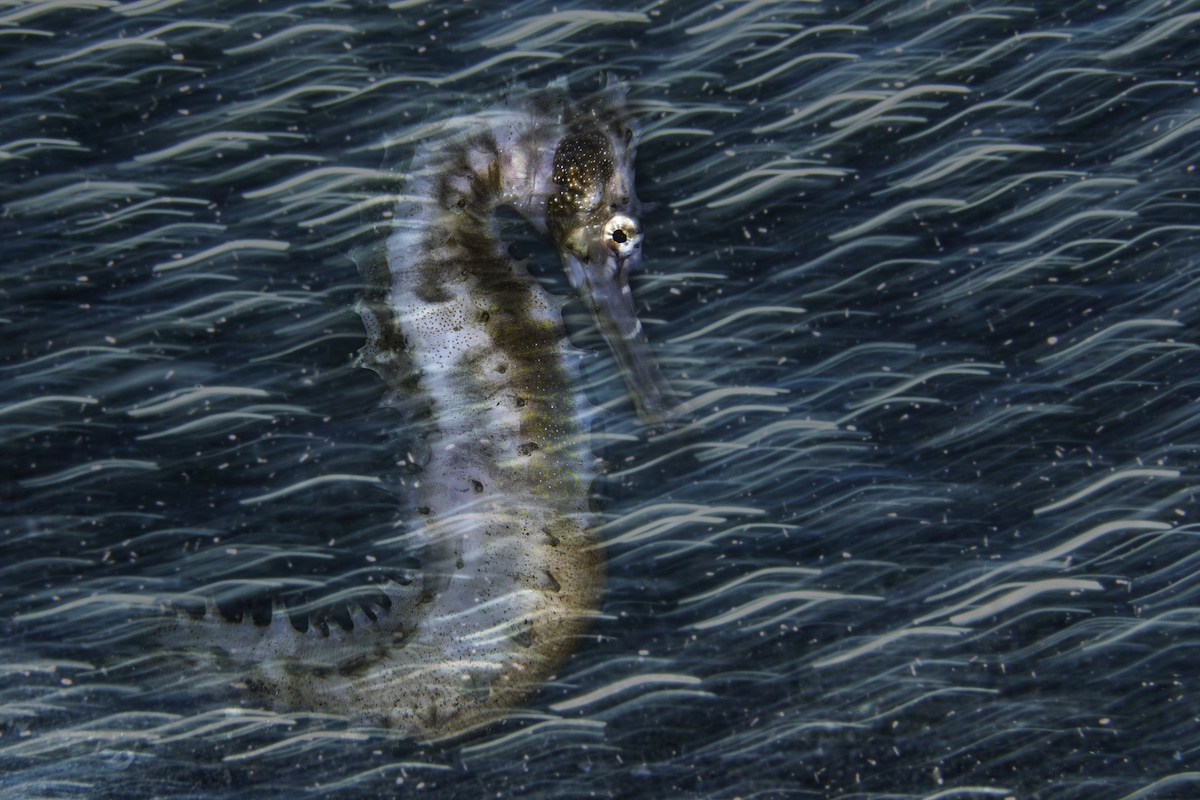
(511, 570)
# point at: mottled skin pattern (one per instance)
(465, 339)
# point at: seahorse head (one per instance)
(594, 218)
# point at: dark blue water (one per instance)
(928, 271)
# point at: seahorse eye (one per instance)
(622, 235)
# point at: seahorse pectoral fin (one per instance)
(601, 278)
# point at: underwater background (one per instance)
(925, 272)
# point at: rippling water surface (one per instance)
(925, 272)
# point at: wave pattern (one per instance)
(925, 275)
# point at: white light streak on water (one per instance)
(624, 685)
(880, 642)
(550, 29)
(311, 483)
(1103, 483)
(809, 598)
(248, 245)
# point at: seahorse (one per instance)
(512, 568)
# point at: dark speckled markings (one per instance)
(512, 570)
